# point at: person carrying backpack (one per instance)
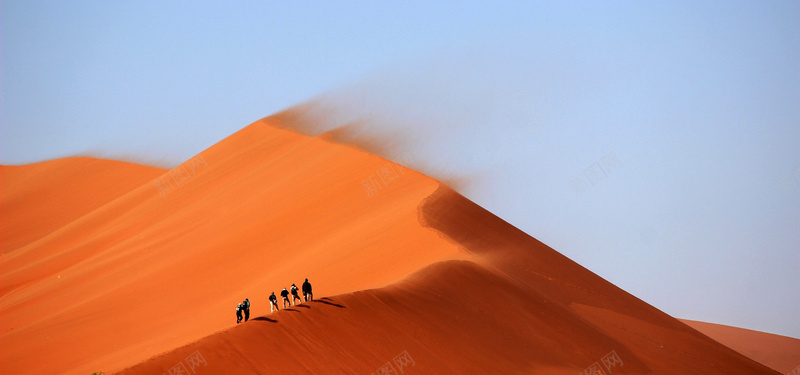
(294, 295)
(285, 295)
(238, 313)
(307, 291)
(246, 307)
(273, 302)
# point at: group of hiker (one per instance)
(244, 307)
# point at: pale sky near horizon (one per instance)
(655, 143)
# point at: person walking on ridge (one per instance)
(246, 306)
(285, 295)
(273, 303)
(238, 313)
(307, 291)
(294, 295)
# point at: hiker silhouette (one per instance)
(294, 295)
(307, 291)
(285, 295)
(273, 302)
(246, 307)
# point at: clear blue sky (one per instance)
(656, 143)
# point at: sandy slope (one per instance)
(778, 352)
(157, 268)
(412, 268)
(39, 198)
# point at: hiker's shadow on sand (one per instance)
(327, 301)
(265, 319)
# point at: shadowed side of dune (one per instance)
(527, 260)
(640, 327)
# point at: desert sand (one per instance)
(137, 270)
(775, 351)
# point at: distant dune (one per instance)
(142, 270)
(39, 198)
(778, 352)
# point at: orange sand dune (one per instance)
(40, 198)
(166, 263)
(416, 273)
(778, 352)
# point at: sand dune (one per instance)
(166, 263)
(775, 351)
(40, 198)
(418, 278)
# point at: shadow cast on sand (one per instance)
(265, 319)
(327, 301)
